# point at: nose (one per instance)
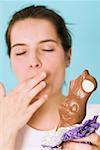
(34, 62)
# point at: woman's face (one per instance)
(35, 47)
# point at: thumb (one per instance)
(2, 90)
(93, 138)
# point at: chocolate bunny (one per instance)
(73, 109)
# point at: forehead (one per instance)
(33, 30)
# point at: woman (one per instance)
(39, 47)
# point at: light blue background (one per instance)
(85, 16)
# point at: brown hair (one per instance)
(42, 12)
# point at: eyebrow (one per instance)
(18, 44)
(44, 41)
(48, 40)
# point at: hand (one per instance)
(17, 107)
(93, 138)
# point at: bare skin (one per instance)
(75, 145)
(29, 56)
(16, 110)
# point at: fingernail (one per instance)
(46, 96)
(43, 83)
(43, 74)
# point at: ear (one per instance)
(68, 57)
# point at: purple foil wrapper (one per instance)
(89, 127)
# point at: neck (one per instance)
(47, 116)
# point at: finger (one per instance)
(32, 94)
(28, 84)
(78, 146)
(32, 83)
(93, 138)
(38, 103)
(2, 90)
(34, 106)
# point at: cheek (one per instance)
(57, 79)
(19, 70)
(59, 75)
(56, 69)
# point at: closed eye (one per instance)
(21, 53)
(49, 50)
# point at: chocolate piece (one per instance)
(73, 109)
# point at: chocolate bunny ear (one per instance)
(89, 83)
(85, 74)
